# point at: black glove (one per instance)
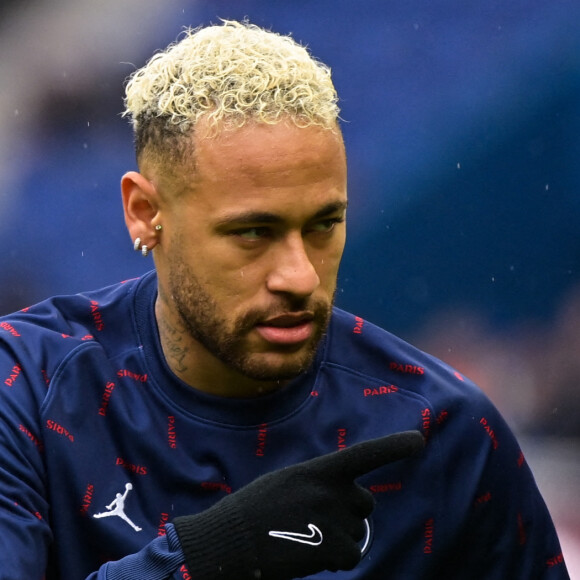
(293, 522)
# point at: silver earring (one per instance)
(158, 227)
(144, 250)
(137, 244)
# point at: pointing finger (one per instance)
(367, 456)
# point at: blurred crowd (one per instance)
(462, 124)
(531, 370)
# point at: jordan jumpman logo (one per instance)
(117, 508)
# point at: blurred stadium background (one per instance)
(462, 123)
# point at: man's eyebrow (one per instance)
(264, 217)
(248, 218)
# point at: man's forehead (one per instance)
(257, 147)
(240, 166)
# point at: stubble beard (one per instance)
(204, 322)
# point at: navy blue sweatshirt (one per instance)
(101, 446)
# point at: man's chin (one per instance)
(281, 367)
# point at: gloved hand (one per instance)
(293, 522)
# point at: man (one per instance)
(217, 418)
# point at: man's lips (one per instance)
(287, 328)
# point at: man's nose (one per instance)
(292, 270)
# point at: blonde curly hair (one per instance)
(228, 74)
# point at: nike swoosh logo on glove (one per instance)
(314, 538)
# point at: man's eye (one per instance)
(326, 226)
(251, 234)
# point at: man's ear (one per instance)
(141, 206)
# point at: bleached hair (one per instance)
(229, 74)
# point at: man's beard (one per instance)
(204, 322)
